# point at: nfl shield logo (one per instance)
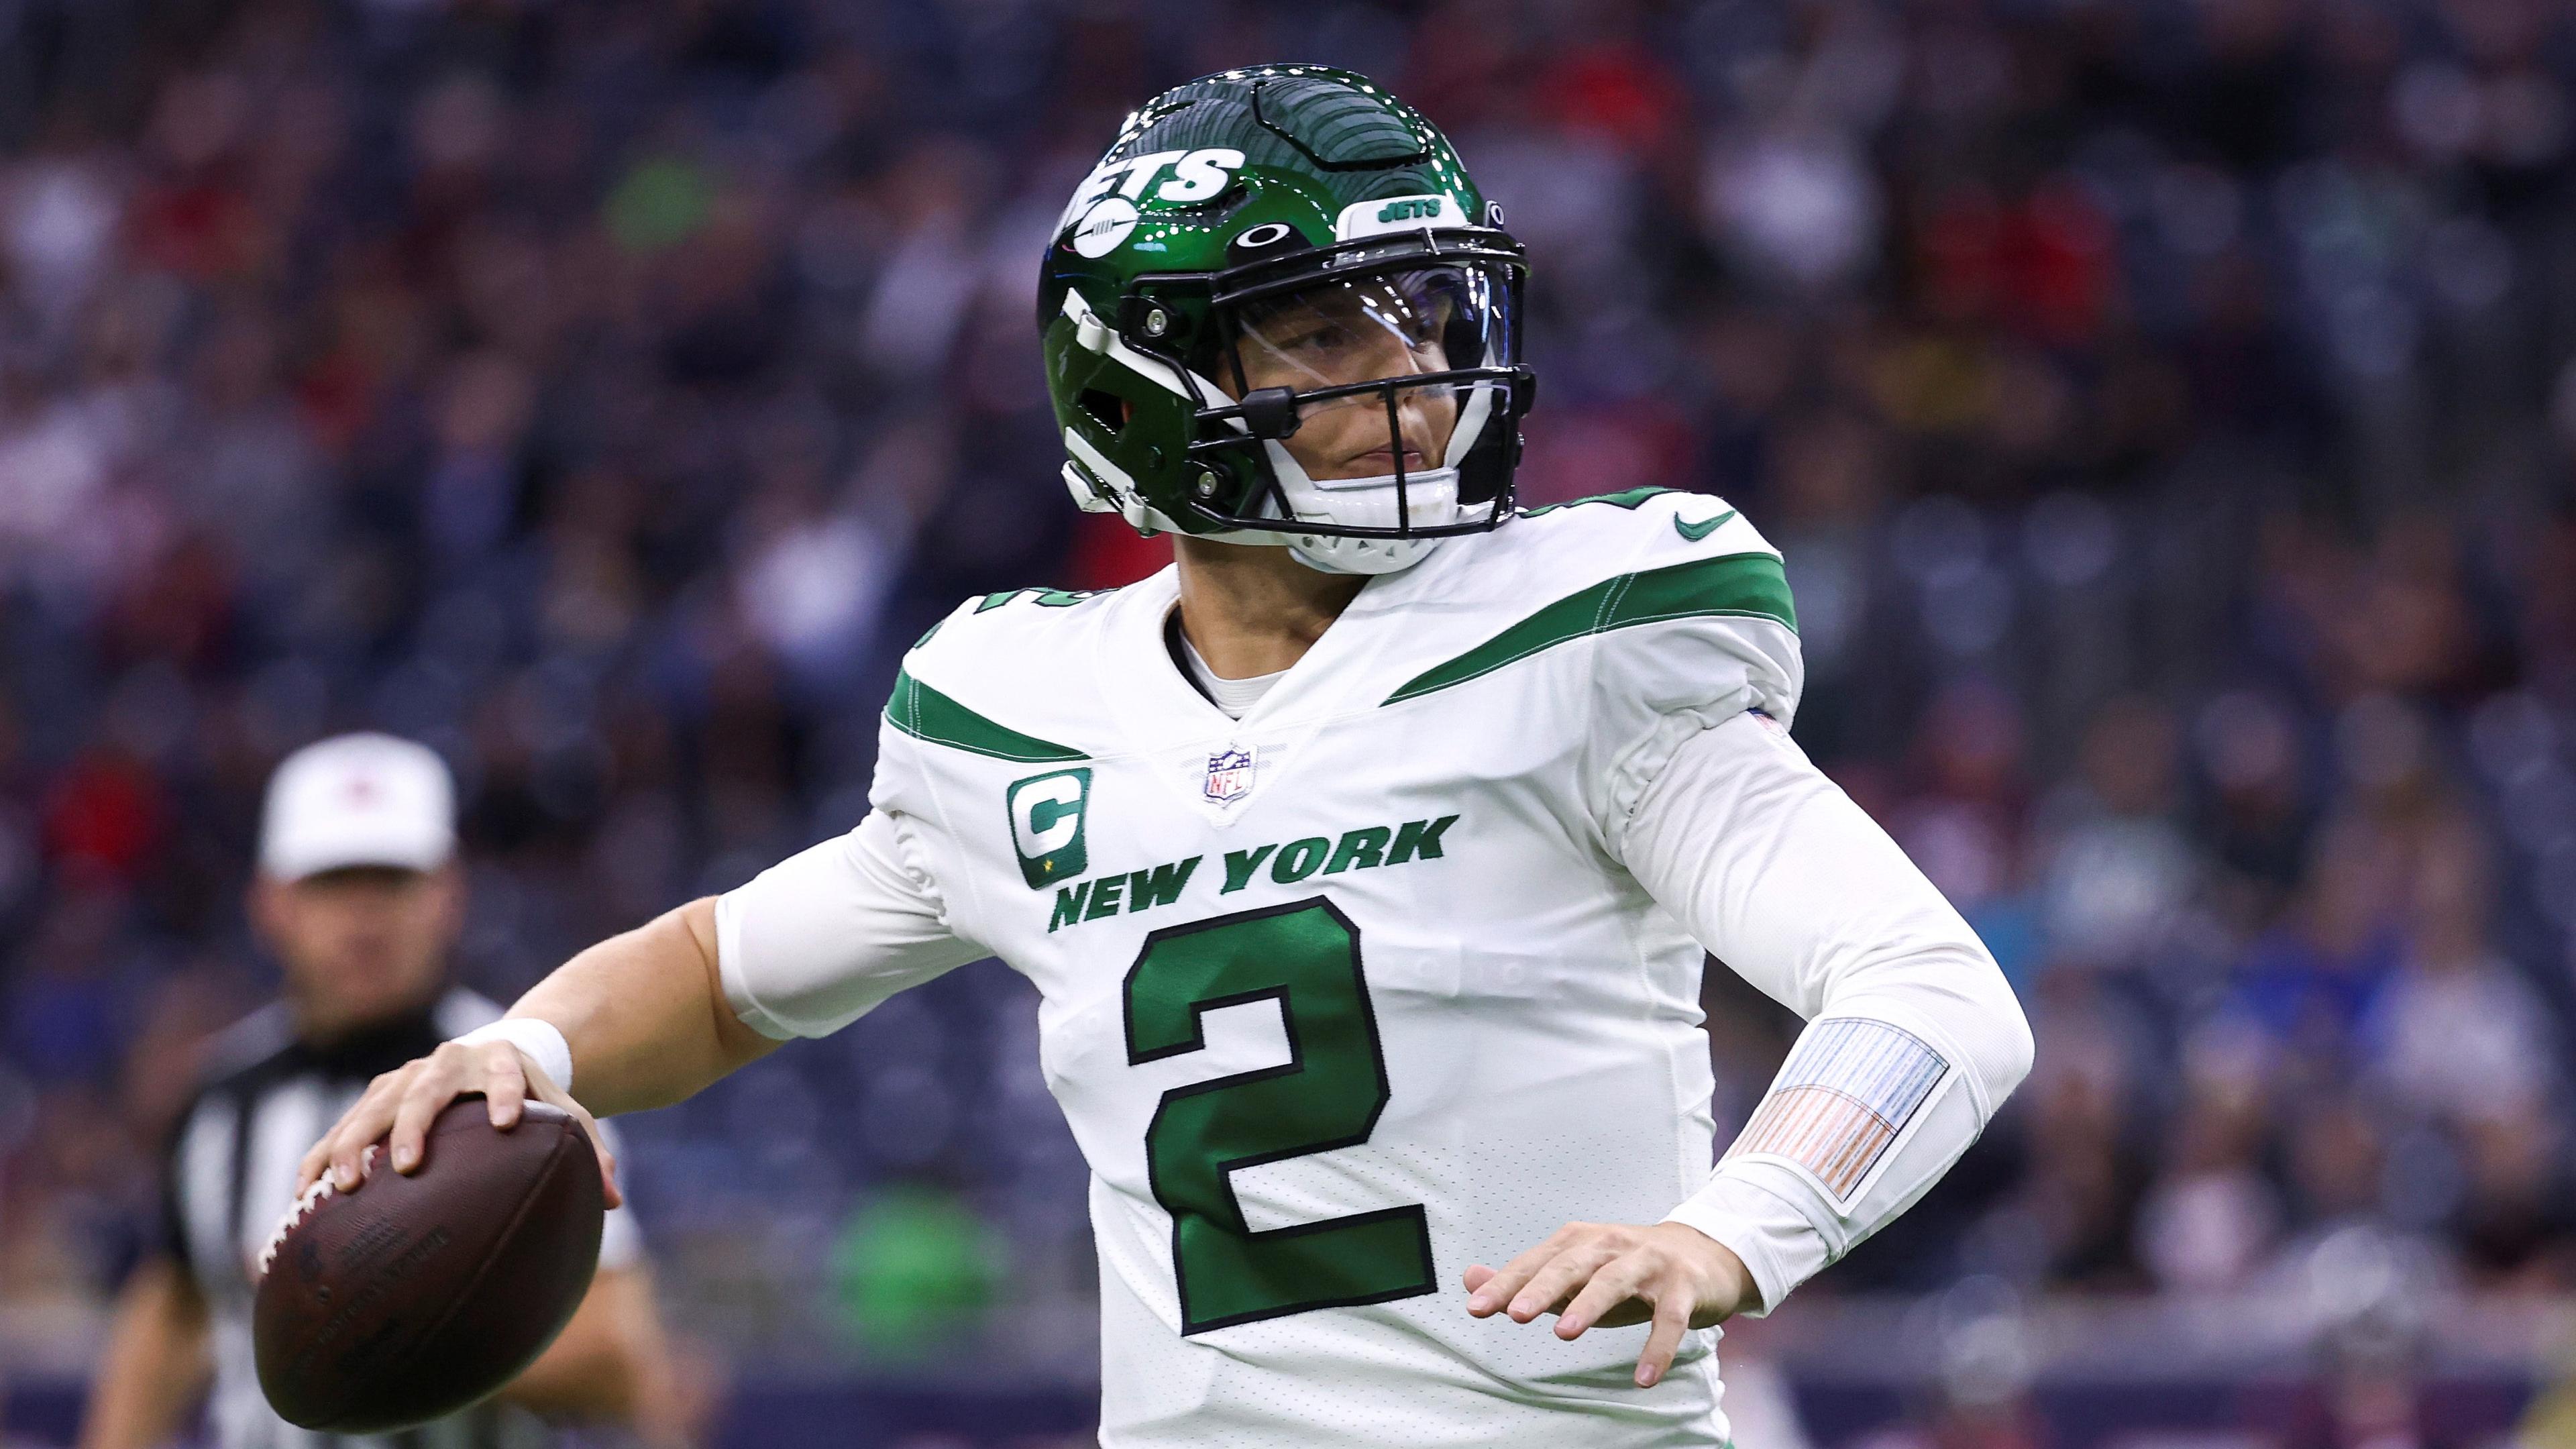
(1229, 776)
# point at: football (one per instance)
(419, 1294)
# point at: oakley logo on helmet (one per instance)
(1196, 176)
(1271, 238)
(1396, 213)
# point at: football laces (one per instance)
(303, 1207)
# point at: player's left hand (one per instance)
(1610, 1274)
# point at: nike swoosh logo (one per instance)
(1697, 531)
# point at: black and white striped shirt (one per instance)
(265, 1098)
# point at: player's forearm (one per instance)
(588, 1371)
(1832, 1154)
(154, 1366)
(645, 1015)
(577, 1378)
(614, 1364)
(1914, 1037)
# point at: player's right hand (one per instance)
(404, 1101)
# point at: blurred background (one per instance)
(2166, 408)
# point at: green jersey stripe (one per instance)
(925, 714)
(1735, 585)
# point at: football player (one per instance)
(1363, 858)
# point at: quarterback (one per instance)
(1363, 859)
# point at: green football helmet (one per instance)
(1277, 250)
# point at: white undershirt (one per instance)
(1757, 853)
(1235, 696)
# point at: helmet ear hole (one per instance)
(1107, 409)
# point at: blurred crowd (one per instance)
(2165, 407)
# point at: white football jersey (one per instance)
(1351, 993)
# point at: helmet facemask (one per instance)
(1370, 407)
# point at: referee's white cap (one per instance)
(361, 799)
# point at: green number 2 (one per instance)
(1306, 956)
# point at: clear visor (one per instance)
(1362, 332)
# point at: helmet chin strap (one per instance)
(1362, 556)
(1433, 490)
(1342, 554)
(1337, 553)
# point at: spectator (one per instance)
(2457, 1034)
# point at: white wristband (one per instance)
(539, 1039)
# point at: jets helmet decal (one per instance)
(1278, 311)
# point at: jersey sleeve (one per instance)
(1913, 1037)
(818, 940)
(1697, 628)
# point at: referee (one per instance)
(359, 897)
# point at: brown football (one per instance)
(417, 1295)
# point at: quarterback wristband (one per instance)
(539, 1039)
